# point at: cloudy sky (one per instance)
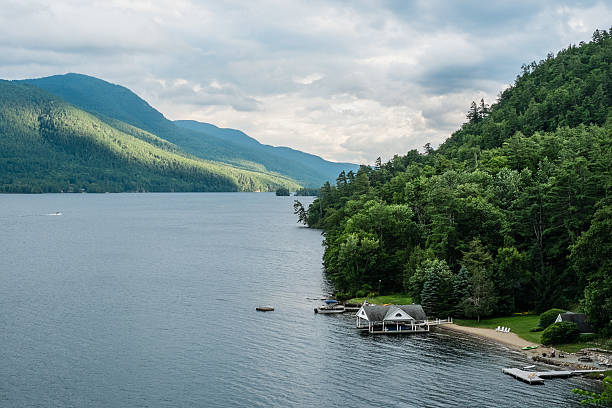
(347, 80)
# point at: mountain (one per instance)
(109, 101)
(318, 168)
(49, 145)
(513, 209)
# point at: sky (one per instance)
(346, 80)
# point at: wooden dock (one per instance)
(537, 377)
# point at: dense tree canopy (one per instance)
(518, 200)
(48, 145)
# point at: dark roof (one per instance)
(580, 319)
(376, 313)
(415, 311)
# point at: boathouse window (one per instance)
(398, 315)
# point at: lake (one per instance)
(148, 300)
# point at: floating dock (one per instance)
(537, 377)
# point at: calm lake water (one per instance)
(148, 300)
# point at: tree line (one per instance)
(512, 213)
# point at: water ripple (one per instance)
(148, 300)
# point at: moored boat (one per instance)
(330, 306)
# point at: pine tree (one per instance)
(483, 109)
(461, 288)
(378, 163)
(473, 115)
(430, 295)
(341, 180)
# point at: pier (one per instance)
(537, 377)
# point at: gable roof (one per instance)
(374, 313)
(415, 311)
(579, 318)
(378, 313)
(396, 314)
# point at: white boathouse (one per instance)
(395, 319)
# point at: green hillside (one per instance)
(230, 146)
(308, 168)
(48, 145)
(511, 213)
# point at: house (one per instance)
(391, 319)
(579, 318)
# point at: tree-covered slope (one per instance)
(48, 145)
(205, 141)
(309, 168)
(572, 88)
(510, 214)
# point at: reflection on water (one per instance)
(149, 300)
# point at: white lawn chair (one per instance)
(498, 328)
(507, 330)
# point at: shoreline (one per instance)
(513, 341)
(507, 339)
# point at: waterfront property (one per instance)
(579, 318)
(395, 319)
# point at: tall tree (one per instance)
(481, 299)
(473, 115)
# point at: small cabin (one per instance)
(579, 318)
(390, 319)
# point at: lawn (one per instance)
(396, 299)
(517, 324)
(603, 343)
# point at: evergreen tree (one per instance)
(378, 163)
(436, 296)
(473, 115)
(483, 109)
(461, 289)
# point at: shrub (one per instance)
(548, 317)
(589, 337)
(342, 295)
(562, 332)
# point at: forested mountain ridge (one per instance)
(206, 141)
(48, 145)
(285, 160)
(511, 213)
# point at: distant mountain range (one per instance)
(74, 132)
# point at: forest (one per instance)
(48, 145)
(511, 213)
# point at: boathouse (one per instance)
(390, 319)
(579, 318)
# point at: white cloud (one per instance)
(345, 80)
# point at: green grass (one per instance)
(396, 299)
(517, 324)
(602, 343)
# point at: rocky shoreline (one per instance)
(599, 358)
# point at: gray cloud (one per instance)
(345, 80)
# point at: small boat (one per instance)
(264, 308)
(330, 306)
(528, 367)
(529, 347)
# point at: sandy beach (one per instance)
(508, 339)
